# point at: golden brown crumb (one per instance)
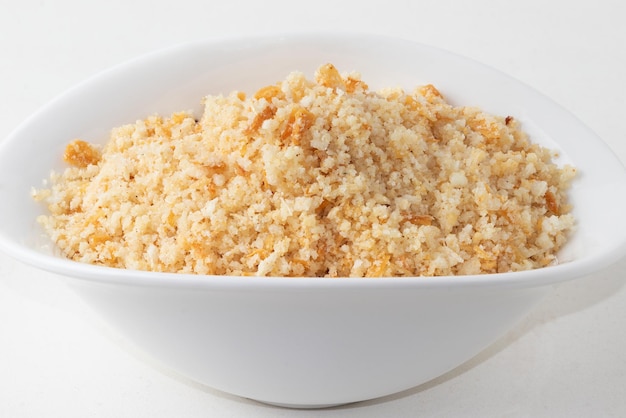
(258, 120)
(551, 203)
(328, 76)
(269, 92)
(79, 153)
(317, 177)
(299, 121)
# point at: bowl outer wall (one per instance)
(310, 347)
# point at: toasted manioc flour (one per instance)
(315, 177)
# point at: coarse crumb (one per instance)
(320, 178)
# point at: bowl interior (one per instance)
(177, 78)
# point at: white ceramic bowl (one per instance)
(306, 342)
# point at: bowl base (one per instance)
(298, 406)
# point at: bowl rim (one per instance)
(540, 277)
(93, 273)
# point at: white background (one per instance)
(566, 359)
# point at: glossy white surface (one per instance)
(42, 296)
